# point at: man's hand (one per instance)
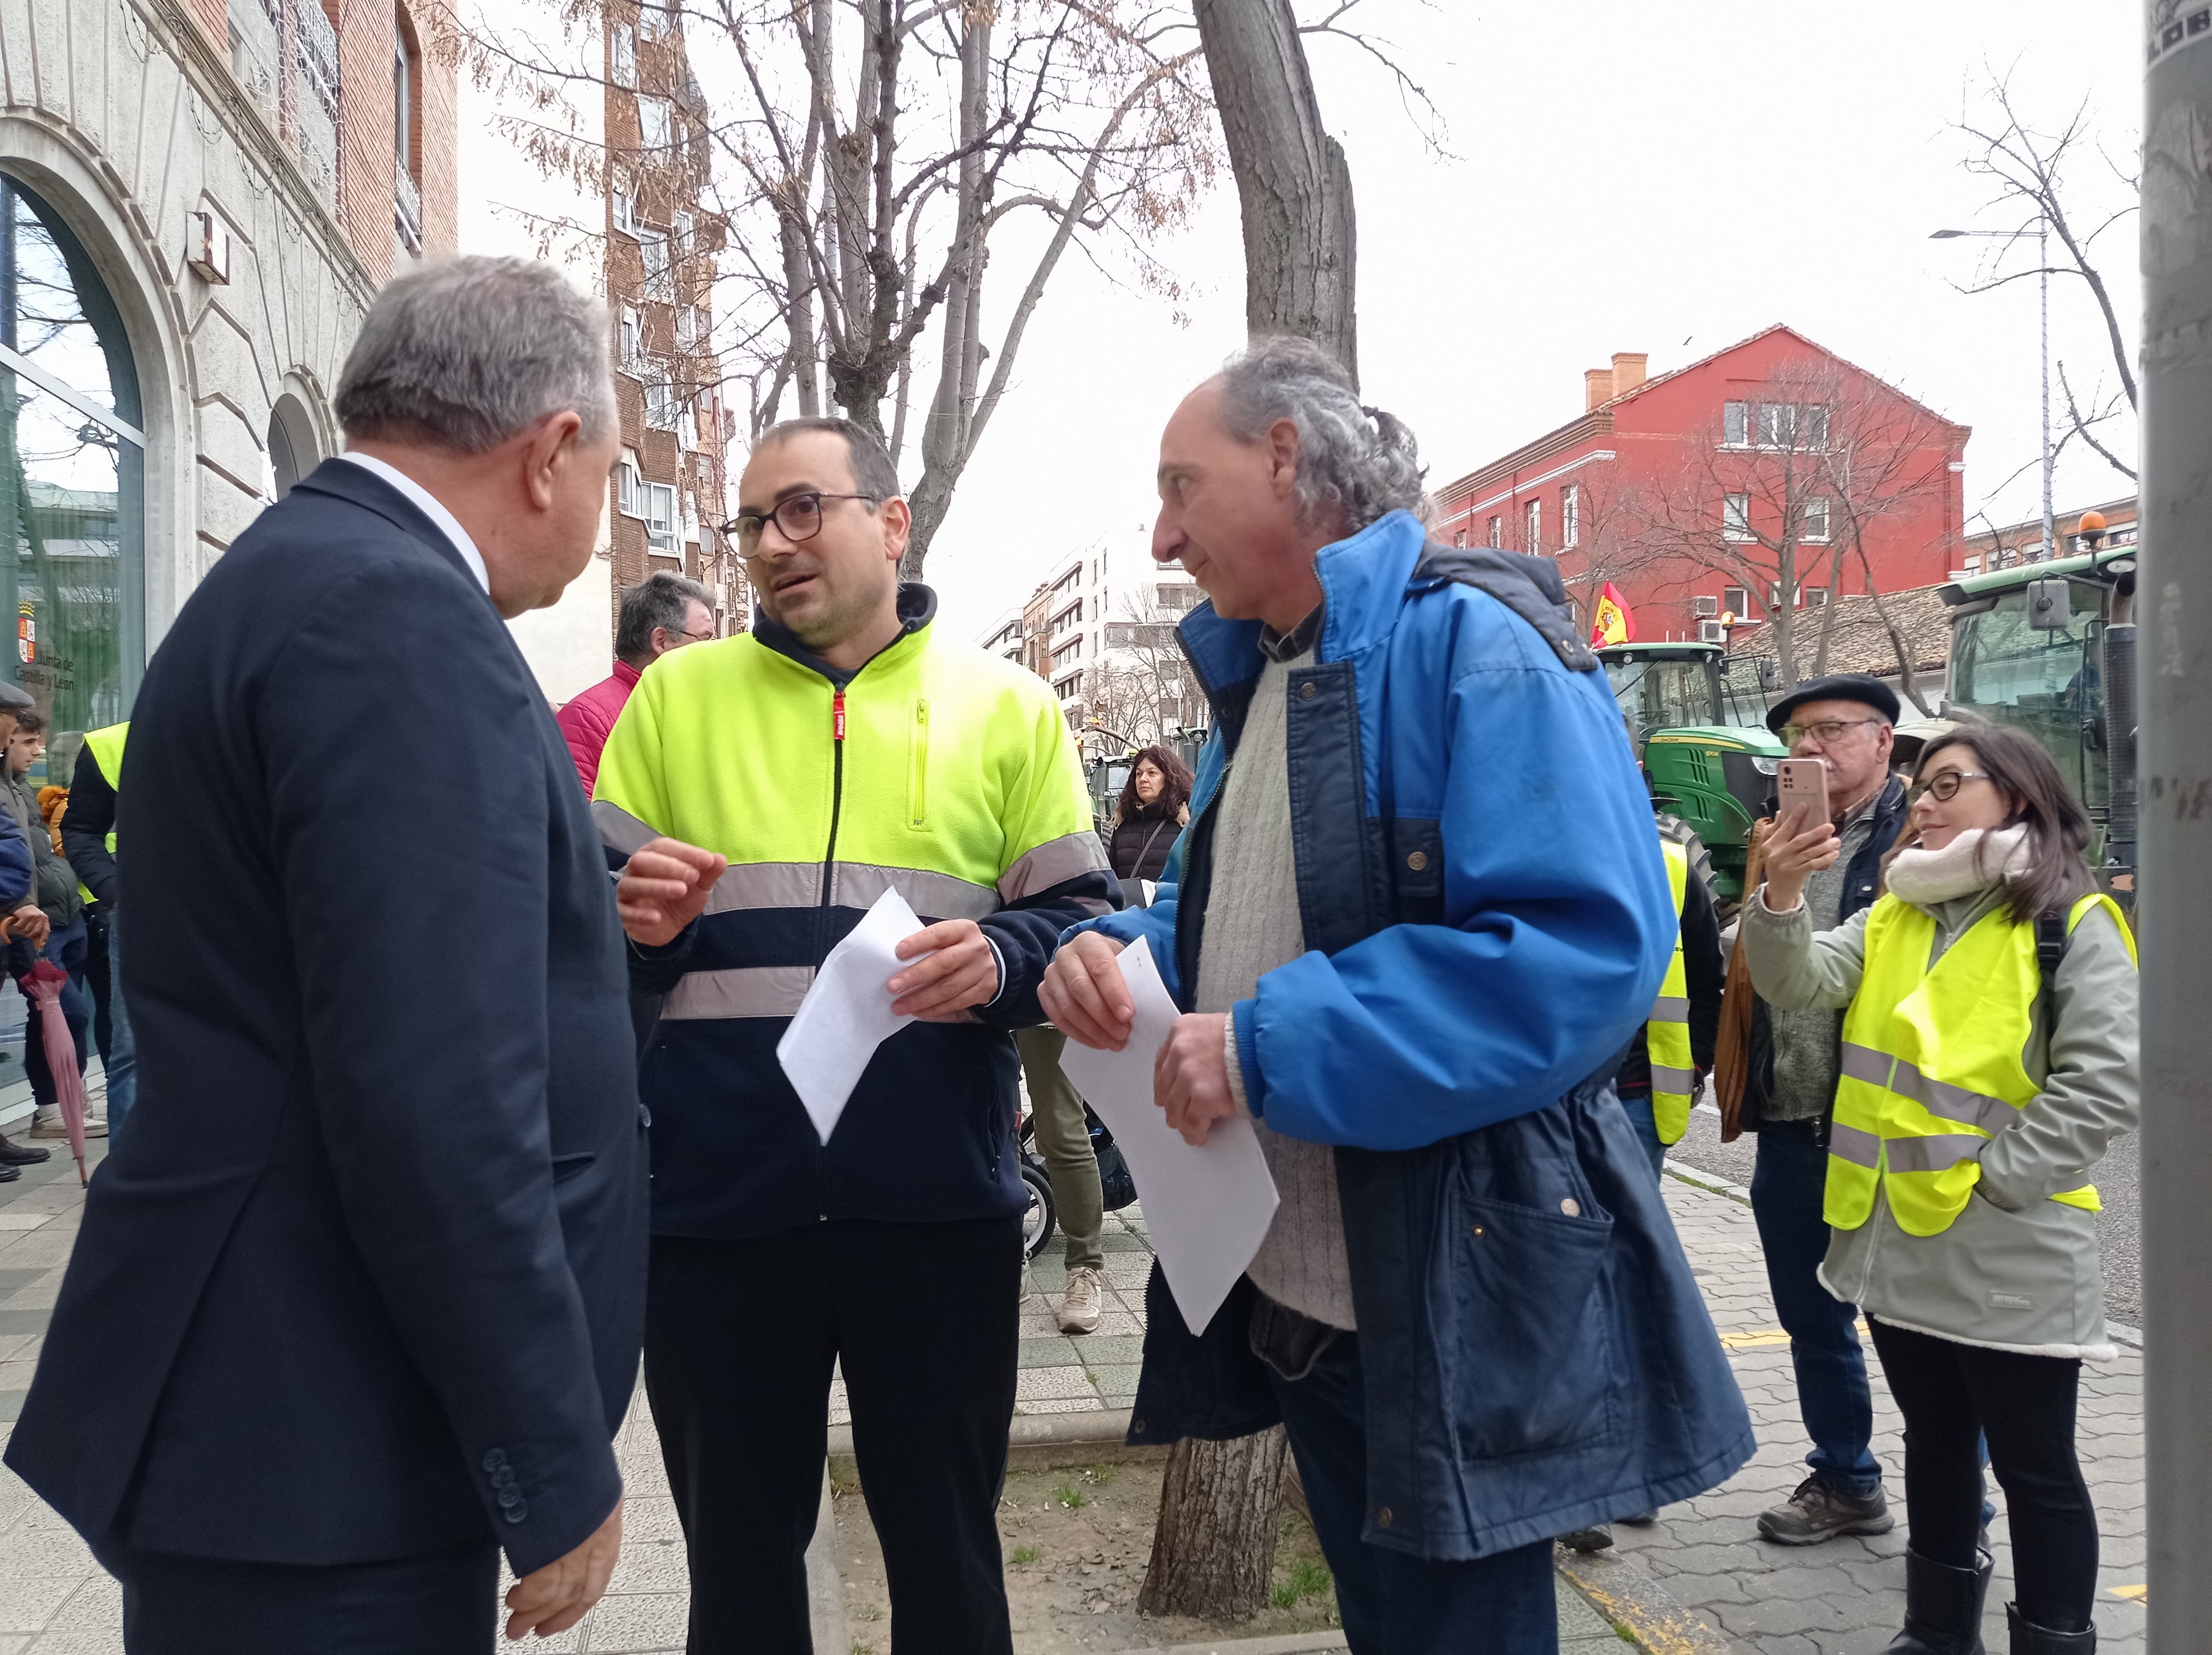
(961, 971)
(1083, 994)
(1190, 1077)
(30, 924)
(665, 888)
(552, 1599)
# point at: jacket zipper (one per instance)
(829, 873)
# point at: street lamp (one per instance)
(2042, 280)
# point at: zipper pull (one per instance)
(837, 717)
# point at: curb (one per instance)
(825, 1586)
(1697, 1178)
(1289, 1643)
(1639, 1606)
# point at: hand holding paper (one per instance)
(847, 1012)
(1209, 1205)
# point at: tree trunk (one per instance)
(1291, 180)
(1213, 1546)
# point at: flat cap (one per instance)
(1843, 686)
(14, 698)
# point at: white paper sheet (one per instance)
(1208, 1207)
(847, 1012)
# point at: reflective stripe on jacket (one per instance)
(1931, 1064)
(1667, 1034)
(936, 770)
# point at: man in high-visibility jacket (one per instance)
(1673, 1052)
(767, 789)
(88, 842)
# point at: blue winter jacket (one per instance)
(1487, 921)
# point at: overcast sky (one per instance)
(1625, 177)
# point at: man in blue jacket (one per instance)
(1413, 927)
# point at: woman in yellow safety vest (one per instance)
(1988, 1060)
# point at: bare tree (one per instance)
(1775, 492)
(1612, 538)
(2026, 164)
(867, 158)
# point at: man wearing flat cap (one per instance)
(1846, 723)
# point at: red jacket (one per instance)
(588, 719)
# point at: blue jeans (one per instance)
(1832, 1396)
(1637, 1106)
(1393, 1603)
(121, 1058)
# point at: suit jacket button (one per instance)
(516, 1512)
(503, 1478)
(510, 1497)
(495, 1459)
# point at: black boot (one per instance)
(1943, 1608)
(2029, 1638)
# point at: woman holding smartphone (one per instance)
(1988, 1059)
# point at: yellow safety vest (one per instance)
(106, 746)
(1931, 1066)
(1666, 1032)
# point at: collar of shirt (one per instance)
(431, 507)
(1288, 646)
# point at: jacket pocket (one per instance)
(566, 1167)
(917, 768)
(1531, 1337)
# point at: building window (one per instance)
(1736, 601)
(1803, 425)
(1069, 687)
(72, 483)
(625, 55)
(1736, 426)
(1816, 519)
(687, 337)
(628, 491)
(659, 502)
(1816, 597)
(1532, 525)
(1496, 531)
(1571, 515)
(1459, 538)
(632, 346)
(1974, 562)
(1813, 427)
(406, 176)
(623, 202)
(653, 119)
(659, 284)
(1735, 518)
(660, 405)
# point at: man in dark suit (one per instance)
(357, 1299)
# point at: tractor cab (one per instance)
(1700, 731)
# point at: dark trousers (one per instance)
(1637, 1105)
(438, 1604)
(739, 1338)
(1393, 1603)
(1951, 1395)
(1832, 1396)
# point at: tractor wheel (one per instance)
(1672, 826)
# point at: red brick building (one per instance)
(1772, 472)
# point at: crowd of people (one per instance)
(434, 1138)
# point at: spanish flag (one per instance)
(1616, 622)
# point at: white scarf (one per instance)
(1978, 858)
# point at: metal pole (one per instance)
(2042, 280)
(2175, 901)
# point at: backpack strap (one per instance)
(1527, 585)
(2053, 937)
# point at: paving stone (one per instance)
(1036, 1384)
(650, 1620)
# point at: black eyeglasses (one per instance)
(799, 518)
(1945, 785)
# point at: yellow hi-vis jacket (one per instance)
(1931, 1064)
(1667, 1034)
(938, 771)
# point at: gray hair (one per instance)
(660, 599)
(465, 353)
(1359, 461)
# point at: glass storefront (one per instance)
(72, 481)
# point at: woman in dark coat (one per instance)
(1155, 805)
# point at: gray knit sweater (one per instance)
(1253, 926)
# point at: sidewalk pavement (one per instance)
(1843, 1598)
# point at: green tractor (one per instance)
(2049, 649)
(1700, 731)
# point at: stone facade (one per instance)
(131, 119)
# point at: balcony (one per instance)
(285, 55)
(407, 211)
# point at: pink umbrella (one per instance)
(45, 981)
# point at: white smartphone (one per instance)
(1801, 786)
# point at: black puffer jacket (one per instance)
(1140, 844)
